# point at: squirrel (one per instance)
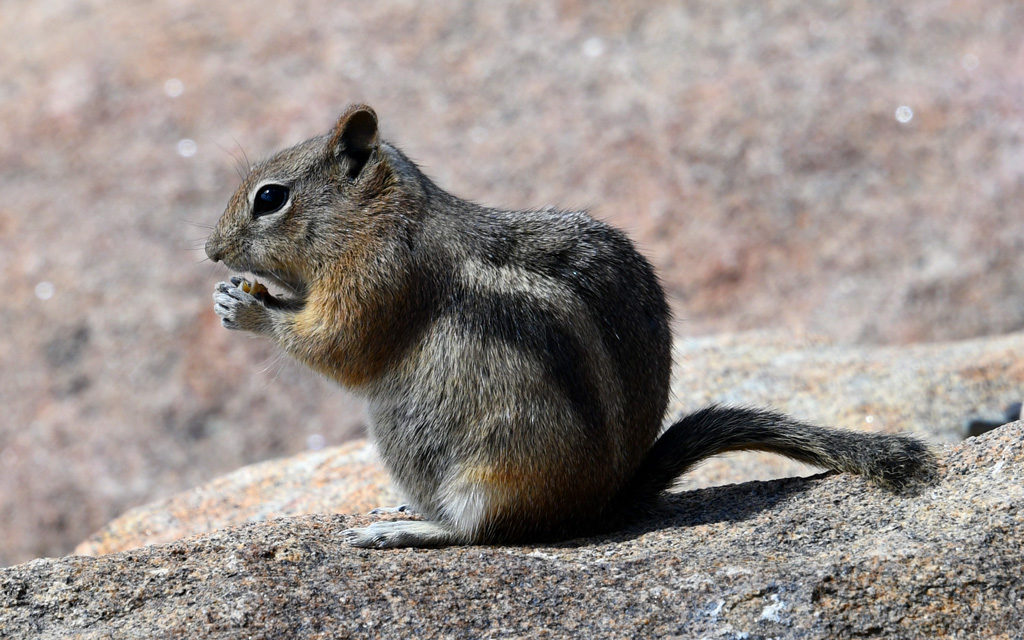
(516, 363)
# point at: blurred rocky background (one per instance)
(853, 170)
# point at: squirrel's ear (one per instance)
(355, 137)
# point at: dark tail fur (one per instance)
(889, 460)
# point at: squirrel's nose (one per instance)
(214, 251)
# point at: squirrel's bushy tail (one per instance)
(889, 460)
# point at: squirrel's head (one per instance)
(300, 211)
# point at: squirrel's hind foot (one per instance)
(402, 533)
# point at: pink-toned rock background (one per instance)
(750, 147)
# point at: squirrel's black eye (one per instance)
(269, 199)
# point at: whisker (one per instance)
(240, 169)
(248, 165)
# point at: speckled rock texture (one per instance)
(925, 390)
(821, 557)
(750, 146)
(345, 479)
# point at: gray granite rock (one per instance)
(345, 479)
(821, 557)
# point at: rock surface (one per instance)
(345, 479)
(822, 557)
(926, 390)
(751, 147)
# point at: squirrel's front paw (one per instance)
(239, 305)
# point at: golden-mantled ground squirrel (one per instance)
(516, 363)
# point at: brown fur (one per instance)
(357, 327)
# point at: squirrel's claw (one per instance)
(402, 508)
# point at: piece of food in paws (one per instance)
(255, 288)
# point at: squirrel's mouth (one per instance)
(289, 283)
